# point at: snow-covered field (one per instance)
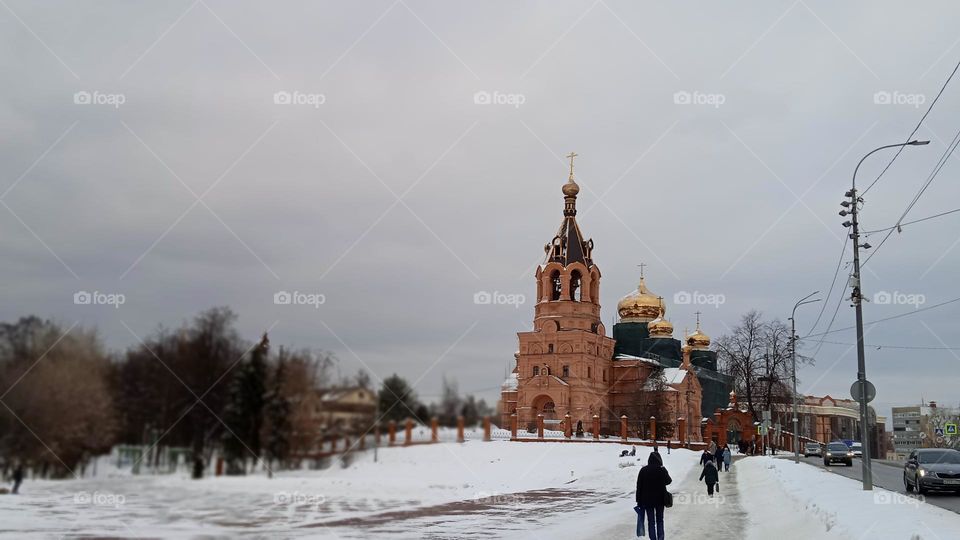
(449, 490)
(808, 502)
(477, 489)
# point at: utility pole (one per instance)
(856, 296)
(793, 354)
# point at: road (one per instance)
(888, 476)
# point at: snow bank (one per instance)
(804, 501)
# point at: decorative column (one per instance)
(540, 426)
(513, 426)
(459, 429)
(567, 428)
(408, 432)
(434, 425)
(623, 428)
(682, 426)
(392, 432)
(596, 427)
(486, 429)
(653, 428)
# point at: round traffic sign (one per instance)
(871, 390)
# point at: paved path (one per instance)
(695, 515)
(889, 475)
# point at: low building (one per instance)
(921, 426)
(344, 411)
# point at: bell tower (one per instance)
(564, 364)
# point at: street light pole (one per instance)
(793, 353)
(856, 296)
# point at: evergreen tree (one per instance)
(243, 413)
(276, 415)
(397, 399)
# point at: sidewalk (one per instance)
(694, 515)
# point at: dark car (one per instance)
(837, 452)
(932, 469)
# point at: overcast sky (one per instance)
(715, 142)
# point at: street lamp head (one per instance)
(849, 193)
(847, 224)
(918, 143)
(843, 213)
(845, 204)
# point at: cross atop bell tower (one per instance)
(570, 156)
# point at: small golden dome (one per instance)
(570, 189)
(640, 305)
(698, 340)
(660, 328)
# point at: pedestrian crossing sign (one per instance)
(951, 429)
(938, 432)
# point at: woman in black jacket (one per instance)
(652, 482)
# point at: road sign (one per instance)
(938, 431)
(871, 390)
(951, 429)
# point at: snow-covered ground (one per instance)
(477, 489)
(788, 500)
(442, 490)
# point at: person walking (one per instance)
(17, 478)
(718, 456)
(710, 476)
(705, 457)
(652, 482)
(727, 457)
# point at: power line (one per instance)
(908, 347)
(905, 314)
(936, 170)
(904, 224)
(912, 133)
(832, 283)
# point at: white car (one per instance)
(857, 449)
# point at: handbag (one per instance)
(667, 499)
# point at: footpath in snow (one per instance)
(788, 500)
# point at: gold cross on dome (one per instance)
(642, 265)
(697, 313)
(570, 156)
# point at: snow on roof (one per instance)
(622, 356)
(674, 375)
(510, 383)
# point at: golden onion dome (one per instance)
(641, 305)
(570, 189)
(698, 340)
(660, 328)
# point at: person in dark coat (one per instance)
(718, 456)
(705, 457)
(652, 482)
(710, 476)
(17, 478)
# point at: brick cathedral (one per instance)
(569, 365)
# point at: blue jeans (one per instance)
(654, 515)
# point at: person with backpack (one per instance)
(652, 482)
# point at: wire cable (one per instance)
(904, 224)
(832, 283)
(905, 314)
(915, 129)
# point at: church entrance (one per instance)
(733, 431)
(545, 405)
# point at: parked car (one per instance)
(932, 469)
(838, 452)
(857, 449)
(812, 449)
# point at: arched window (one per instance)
(566, 371)
(556, 285)
(550, 348)
(575, 292)
(536, 370)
